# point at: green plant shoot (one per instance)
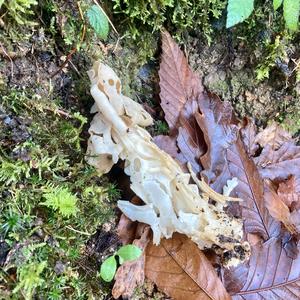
(125, 253)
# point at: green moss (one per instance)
(143, 20)
(216, 82)
(39, 172)
(291, 122)
(19, 11)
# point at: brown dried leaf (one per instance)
(182, 271)
(280, 164)
(179, 86)
(270, 274)
(273, 135)
(224, 156)
(288, 193)
(177, 81)
(132, 273)
(126, 230)
(248, 133)
(277, 208)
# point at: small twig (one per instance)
(297, 63)
(110, 22)
(64, 63)
(61, 113)
(74, 67)
(11, 61)
(78, 231)
(117, 43)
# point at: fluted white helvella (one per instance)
(171, 203)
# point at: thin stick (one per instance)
(11, 62)
(78, 231)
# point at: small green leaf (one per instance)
(238, 11)
(129, 252)
(291, 10)
(98, 21)
(108, 269)
(277, 4)
(1, 3)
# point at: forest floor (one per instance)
(44, 117)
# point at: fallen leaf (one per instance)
(132, 273)
(257, 218)
(273, 135)
(281, 163)
(248, 133)
(214, 121)
(169, 145)
(190, 139)
(182, 271)
(224, 155)
(226, 158)
(277, 208)
(179, 85)
(126, 230)
(177, 81)
(270, 274)
(289, 193)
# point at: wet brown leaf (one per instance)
(289, 193)
(273, 135)
(177, 81)
(182, 271)
(226, 157)
(248, 133)
(277, 208)
(270, 274)
(280, 164)
(132, 273)
(169, 145)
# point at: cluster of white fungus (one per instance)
(172, 204)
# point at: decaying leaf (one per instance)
(172, 204)
(273, 269)
(248, 133)
(270, 274)
(273, 135)
(182, 271)
(131, 274)
(179, 85)
(289, 193)
(177, 81)
(277, 208)
(281, 163)
(225, 155)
